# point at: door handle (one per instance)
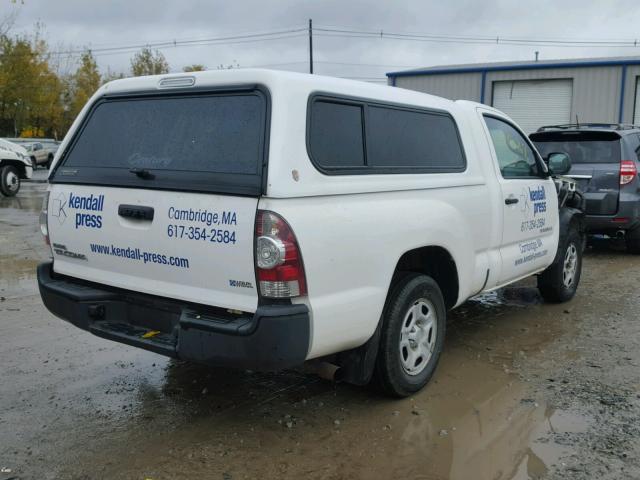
(136, 211)
(510, 200)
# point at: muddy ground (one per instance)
(524, 390)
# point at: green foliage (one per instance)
(147, 62)
(37, 100)
(30, 91)
(84, 82)
(196, 67)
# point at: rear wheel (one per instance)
(559, 282)
(49, 161)
(412, 335)
(9, 181)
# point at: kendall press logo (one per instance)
(58, 208)
(535, 199)
(87, 203)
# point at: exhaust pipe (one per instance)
(329, 371)
(325, 370)
(620, 234)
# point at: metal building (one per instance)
(598, 90)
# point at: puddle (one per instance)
(29, 198)
(522, 295)
(566, 422)
(21, 244)
(18, 276)
(474, 420)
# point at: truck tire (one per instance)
(412, 335)
(559, 282)
(9, 181)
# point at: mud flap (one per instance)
(357, 365)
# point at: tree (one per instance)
(30, 92)
(147, 62)
(196, 67)
(84, 82)
(111, 75)
(7, 21)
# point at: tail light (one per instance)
(628, 171)
(279, 265)
(44, 222)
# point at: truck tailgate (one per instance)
(157, 192)
(196, 247)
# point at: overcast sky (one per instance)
(98, 24)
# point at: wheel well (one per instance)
(16, 163)
(435, 262)
(571, 218)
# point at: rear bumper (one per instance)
(627, 218)
(275, 337)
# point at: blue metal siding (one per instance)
(454, 86)
(602, 89)
(507, 68)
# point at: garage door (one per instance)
(636, 108)
(533, 103)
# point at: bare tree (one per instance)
(7, 22)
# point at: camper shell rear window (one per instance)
(208, 141)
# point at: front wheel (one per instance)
(9, 181)
(412, 335)
(559, 282)
(34, 163)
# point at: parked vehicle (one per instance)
(29, 140)
(38, 154)
(14, 166)
(51, 146)
(261, 219)
(48, 150)
(604, 161)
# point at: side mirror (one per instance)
(559, 163)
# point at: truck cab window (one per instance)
(515, 157)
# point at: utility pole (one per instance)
(310, 46)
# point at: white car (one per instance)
(261, 219)
(14, 166)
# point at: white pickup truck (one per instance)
(262, 219)
(14, 166)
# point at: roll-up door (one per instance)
(534, 103)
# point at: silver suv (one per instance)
(605, 160)
(39, 155)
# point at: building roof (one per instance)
(519, 65)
